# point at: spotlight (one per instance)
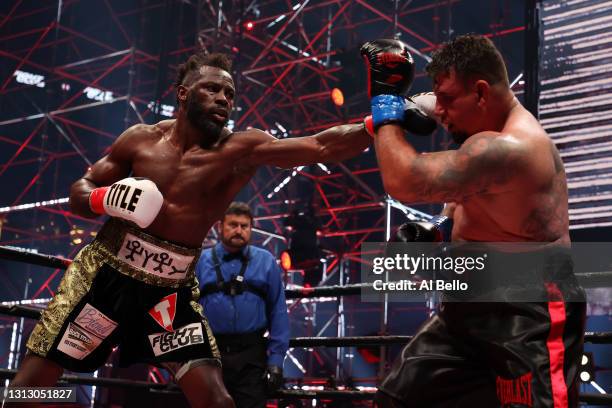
(285, 260)
(337, 97)
(249, 25)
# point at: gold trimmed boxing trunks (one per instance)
(127, 289)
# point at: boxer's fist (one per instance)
(134, 199)
(390, 67)
(426, 102)
(419, 115)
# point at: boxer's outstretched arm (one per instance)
(486, 163)
(332, 145)
(109, 169)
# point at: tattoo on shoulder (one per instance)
(550, 219)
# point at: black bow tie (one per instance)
(234, 255)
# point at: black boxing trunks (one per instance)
(494, 354)
(131, 290)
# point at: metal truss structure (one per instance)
(76, 73)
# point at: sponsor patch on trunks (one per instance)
(78, 343)
(85, 334)
(153, 259)
(514, 391)
(94, 321)
(162, 343)
(164, 311)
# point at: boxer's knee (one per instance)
(36, 371)
(203, 386)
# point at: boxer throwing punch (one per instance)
(163, 185)
(508, 183)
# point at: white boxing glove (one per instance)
(134, 199)
(426, 102)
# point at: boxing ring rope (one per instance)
(353, 341)
(22, 255)
(33, 258)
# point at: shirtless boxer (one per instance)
(508, 183)
(164, 186)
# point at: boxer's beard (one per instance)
(200, 120)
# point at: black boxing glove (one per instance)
(390, 67)
(273, 378)
(422, 231)
(420, 117)
(390, 74)
(416, 120)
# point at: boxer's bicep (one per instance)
(116, 165)
(483, 165)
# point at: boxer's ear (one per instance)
(181, 93)
(482, 89)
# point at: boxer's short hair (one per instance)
(239, 208)
(472, 57)
(197, 61)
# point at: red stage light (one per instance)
(285, 260)
(337, 97)
(249, 25)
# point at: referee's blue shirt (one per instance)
(247, 312)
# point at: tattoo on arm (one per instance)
(483, 164)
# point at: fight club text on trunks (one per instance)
(163, 343)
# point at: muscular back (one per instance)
(534, 207)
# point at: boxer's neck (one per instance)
(186, 135)
(500, 106)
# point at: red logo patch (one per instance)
(514, 390)
(391, 60)
(164, 312)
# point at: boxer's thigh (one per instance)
(437, 369)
